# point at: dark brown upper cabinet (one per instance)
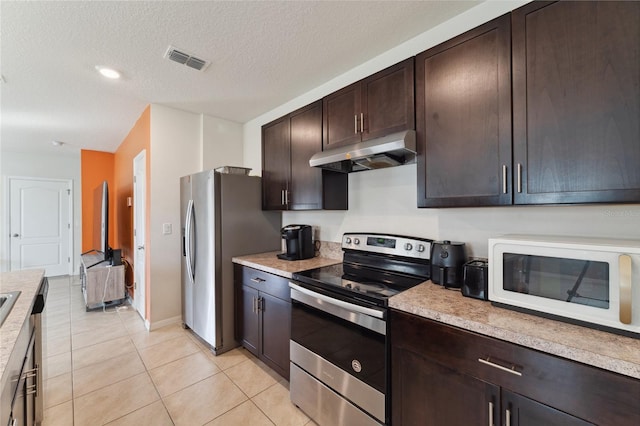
(463, 109)
(576, 102)
(288, 182)
(552, 119)
(375, 106)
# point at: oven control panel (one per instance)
(388, 244)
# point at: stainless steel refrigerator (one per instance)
(221, 217)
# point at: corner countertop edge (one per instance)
(269, 262)
(28, 283)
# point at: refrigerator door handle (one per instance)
(189, 235)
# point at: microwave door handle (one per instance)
(624, 265)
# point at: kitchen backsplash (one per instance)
(330, 249)
(385, 201)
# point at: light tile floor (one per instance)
(103, 367)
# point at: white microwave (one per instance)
(589, 281)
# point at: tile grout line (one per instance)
(137, 350)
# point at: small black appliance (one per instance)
(475, 279)
(298, 241)
(447, 259)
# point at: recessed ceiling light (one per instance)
(108, 72)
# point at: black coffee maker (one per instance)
(299, 242)
(447, 259)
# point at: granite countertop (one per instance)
(268, 262)
(28, 283)
(601, 349)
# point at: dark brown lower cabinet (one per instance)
(453, 398)
(442, 375)
(523, 411)
(263, 316)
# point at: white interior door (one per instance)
(40, 224)
(139, 221)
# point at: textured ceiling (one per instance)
(262, 54)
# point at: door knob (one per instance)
(140, 247)
(15, 235)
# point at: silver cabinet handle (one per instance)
(504, 179)
(511, 370)
(519, 177)
(140, 247)
(15, 235)
(490, 413)
(361, 122)
(30, 373)
(625, 288)
(507, 414)
(258, 280)
(31, 390)
(284, 197)
(258, 304)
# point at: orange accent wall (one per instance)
(139, 138)
(117, 169)
(95, 167)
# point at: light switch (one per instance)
(166, 229)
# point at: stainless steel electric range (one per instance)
(339, 352)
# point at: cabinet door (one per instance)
(306, 140)
(276, 332)
(341, 117)
(576, 102)
(276, 163)
(521, 411)
(463, 108)
(426, 393)
(250, 317)
(388, 101)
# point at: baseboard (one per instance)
(163, 323)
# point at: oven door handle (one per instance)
(350, 306)
(370, 318)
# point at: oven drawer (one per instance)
(265, 282)
(355, 390)
(322, 404)
(560, 383)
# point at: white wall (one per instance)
(61, 165)
(176, 138)
(182, 143)
(222, 143)
(385, 200)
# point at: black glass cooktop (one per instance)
(358, 282)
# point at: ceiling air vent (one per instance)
(184, 58)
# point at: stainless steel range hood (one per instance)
(388, 151)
